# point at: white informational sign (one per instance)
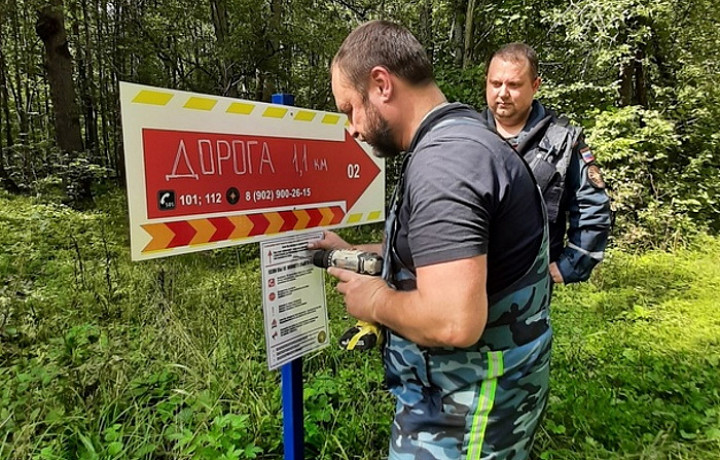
(294, 306)
(206, 172)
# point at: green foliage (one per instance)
(227, 438)
(41, 169)
(610, 30)
(464, 85)
(571, 99)
(698, 112)
(638, 345)
(596, 58)
(101, 358)
(104, 358)
(638, 147)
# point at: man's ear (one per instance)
(536, 84)
(381, 83)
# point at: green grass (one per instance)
(635, 364)
(102, 358)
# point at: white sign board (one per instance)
(205, 172)
(294, 305)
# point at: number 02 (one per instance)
(353, 171)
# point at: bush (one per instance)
(637, 149)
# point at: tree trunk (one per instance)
(626, 83)
(641, 96)
(667, 71)
(5, 97)
(469, 32)
(19, 66)
(86, 85)
(457, 36)
(220, 23)
(50, 27)
(277, 67)
(5, 179)
(220, 20)
(426, 30)
(268, 66)
(120, 59)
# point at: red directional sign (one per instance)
(206, 172)
(189, 173)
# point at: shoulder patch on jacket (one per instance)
(587, 155)
(595, 176)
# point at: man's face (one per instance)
(366, 121)
(509, 90)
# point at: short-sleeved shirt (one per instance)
(468, 193)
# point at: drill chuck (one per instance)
(366, 263)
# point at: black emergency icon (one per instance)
(166, 200)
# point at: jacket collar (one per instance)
(452, 110)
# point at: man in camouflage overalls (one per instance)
(563, 165)
(464, 294)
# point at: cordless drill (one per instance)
(364, 335)
(365, 263)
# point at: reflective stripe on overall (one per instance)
(482, 402)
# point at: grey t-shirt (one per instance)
(467, 193)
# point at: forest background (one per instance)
(102, 358)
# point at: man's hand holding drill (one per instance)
(360, 292)
(358, 281)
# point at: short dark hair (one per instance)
(517, 52)
(383, 43)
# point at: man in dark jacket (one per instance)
(563, 165)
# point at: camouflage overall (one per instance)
(483, 402)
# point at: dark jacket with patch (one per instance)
(577, 203)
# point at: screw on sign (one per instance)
(232, 195)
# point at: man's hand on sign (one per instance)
(330, 240)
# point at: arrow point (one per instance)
(366, 171)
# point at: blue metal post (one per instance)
(292, 386)
(283, 99)
(292, 394)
